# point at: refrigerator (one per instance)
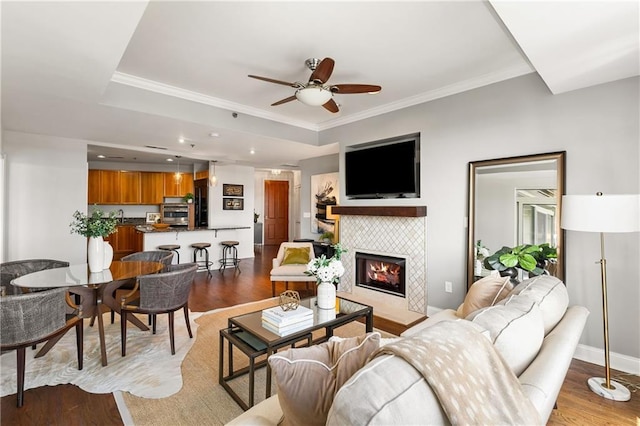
(201, 202)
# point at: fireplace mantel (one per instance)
(397, 211)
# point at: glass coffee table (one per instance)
(246, 333)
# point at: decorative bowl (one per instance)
(160, 225)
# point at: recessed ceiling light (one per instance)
(169, 159)
(214, 134)
(101, 156)
(181, 140)
(253, 151)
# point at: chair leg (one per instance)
(153, 323)
(171, 336)
(80, 343)
(123, 331)
(186, 318)
(20, 352)
(113, 316)
(273, 289)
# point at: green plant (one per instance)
(188, 196)
(255, 216)
(326, 236)
(531, 258)
(96, 225)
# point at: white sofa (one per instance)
(537, 340)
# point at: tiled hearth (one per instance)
(390, 236)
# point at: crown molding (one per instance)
(177, 92)
(442, 92)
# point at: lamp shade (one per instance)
(314, 96)
(601, 213)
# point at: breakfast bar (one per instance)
(184, 237)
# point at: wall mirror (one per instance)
(514, 201)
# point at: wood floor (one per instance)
(69, 405)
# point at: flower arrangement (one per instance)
(96, 225)
(481, 250)
(327, 270)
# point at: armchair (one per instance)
(18, 268)
(291, 271)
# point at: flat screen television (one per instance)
(384, 171)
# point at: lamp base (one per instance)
(617, 392)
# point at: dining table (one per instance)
(90, 287)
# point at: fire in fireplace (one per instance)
(381, 273)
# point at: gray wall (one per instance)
(597, 126)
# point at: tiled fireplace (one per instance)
(387, 233)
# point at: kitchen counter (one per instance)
(151, 229)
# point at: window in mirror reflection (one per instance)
(536, 216)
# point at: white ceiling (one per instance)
(137, 74)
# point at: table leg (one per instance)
(252, 377)
(268, 385)
(103, 347)
(221, 359)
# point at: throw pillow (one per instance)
(308, 378)
(295, 256)
(483, 293)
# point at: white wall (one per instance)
(597, 126)
(46, 183)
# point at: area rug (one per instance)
(202, 400)
(148, 370)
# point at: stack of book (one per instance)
(284, 322)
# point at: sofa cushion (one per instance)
(483, 293)
(308, 378)
(516, 328)
(551, 296)
(296, 256)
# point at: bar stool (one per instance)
(198, 248)
(229, 255)
(172, 247)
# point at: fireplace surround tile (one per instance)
(400, 236)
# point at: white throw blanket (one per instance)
(472, 382)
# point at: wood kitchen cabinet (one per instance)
(115, 187)
(177, 187)
(151, 187)
(93, 185)
(125, 240)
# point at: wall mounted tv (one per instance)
(385, 170)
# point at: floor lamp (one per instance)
(603, 213)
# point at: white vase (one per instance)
(108, 255)
(95, 254)
(325, 315)
(326, 293)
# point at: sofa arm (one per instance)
(543, 378)
(267, 412)
(275, 263)
(444, 315)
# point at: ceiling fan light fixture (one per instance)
(313, 95)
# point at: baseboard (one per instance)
(618, 361)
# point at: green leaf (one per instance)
(527, 262)
(509, 260)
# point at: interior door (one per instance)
(276, 211)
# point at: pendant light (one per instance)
(213, 179)
(177, 176)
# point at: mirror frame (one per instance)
(560, 158)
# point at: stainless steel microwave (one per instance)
(175, 213)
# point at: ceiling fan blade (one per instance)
(355, 88)
(284, 101)
(323, 71)
(271, 80)
(331, 105)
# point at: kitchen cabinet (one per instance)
(202, 174)
(177, 187)
(151, 187)
(109, 187)
(125, 240)
(93, 185)
(129, 187)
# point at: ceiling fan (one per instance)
(316, 91)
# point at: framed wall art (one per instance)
(232, 204)
(324, 192)
(232, 190)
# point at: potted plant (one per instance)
(528, 257)
(327, 273)
(95, 227)
(326, 237)
(188, 197)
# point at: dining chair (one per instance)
(31, 318)
(17, 268)
(160, 293)
(161, 256)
